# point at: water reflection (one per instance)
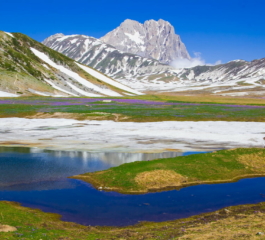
(28, 165)
(37, 178)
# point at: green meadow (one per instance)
(141, 109)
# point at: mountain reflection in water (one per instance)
(30, 165)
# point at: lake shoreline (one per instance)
(155, 190)
(239, 163)
(245, 219)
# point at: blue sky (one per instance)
(219, 29)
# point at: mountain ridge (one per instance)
(150, 75)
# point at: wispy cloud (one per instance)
(197, 60)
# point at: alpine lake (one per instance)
(39, 179)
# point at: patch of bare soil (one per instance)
(254, 160)
(159, 179)
(54, 115)
(119, 117)
(7, 228)
(80, 116)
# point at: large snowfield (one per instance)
(105, 136)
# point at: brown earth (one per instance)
(159, 179)
(7, 228)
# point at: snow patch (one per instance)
(6, 94)
(106, 79)
(131, 136)
(38, 92)
(136, 37)
(60, 89)
(44, 65)
(82, 91)
(72, 74)
(10, 34)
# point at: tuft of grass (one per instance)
(220, 166)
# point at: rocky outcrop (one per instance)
(153, 39)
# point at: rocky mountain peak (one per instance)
(153, 39)
(51, 38)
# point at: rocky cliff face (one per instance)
(153, 39)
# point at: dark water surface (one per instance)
(39, 179)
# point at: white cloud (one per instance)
(189, 63)
(218, 62)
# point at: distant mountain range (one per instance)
(129, 60)
(158, 45)
(28, 67)
(103, 57)
(235, 78)
(138, 54)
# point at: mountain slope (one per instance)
(103, 57)
(235, 78)
(153, 39)
(28, 67)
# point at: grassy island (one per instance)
(215, 167)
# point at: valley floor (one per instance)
(147, 128)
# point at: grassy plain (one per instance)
(203, 98)
(216, 167)
(152, 108)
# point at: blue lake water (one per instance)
(39, 179)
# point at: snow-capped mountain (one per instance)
(120, 59)
(235, 78)
(28, 67)
(153, 39)
(103, 57)
(148, 75)
(132, 54)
